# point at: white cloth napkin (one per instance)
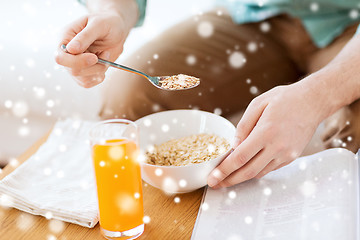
(57, 181)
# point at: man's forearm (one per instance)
(338, 83)
(127, 9)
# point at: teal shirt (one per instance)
(323, 19)
(142, 9)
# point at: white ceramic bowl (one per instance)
(163, 126)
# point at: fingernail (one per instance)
(74, 46)
(212, 181)
(236, 143)
(91, 60)
(106, 55)
(213, 178)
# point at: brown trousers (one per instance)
(235, 63)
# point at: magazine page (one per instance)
(315, 197)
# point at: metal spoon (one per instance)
(154, 80)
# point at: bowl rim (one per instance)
(227, 152)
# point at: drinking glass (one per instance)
(115, 151)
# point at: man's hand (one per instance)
(273, 131)
(101, 34)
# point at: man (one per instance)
(258, 47)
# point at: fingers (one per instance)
(90, 81)
(274, 164)
(249, 171)
(238, 158)
(248, 121)
(80, 61)
(85, 76)
(83, 39)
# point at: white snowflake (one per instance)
(237, 59)
(218, 111)
(47, 171)
(62, 148)
(314, 7)
(30, 63)
(265, 27)
(302, 165)
(51, 237)
(56, 226)
(60, 174)
(216, 173)
(58, 131)
(48, 215)
(234, 237)
(6, 201)
(24, 131)
(150, 148)
(126, 203)
(267, 191)
(147, 122)
(20, 109)
(248, 220)
(182, 183)
(232, 194)
(14, 162)
(191, 60)
(156, 107)
(141, 158)
(252, 47)
(116, 152)
(165, 128)
(354, 14)
(211, 148)
(254, 90)
(205, 206)
(50, 103)
(176, 199)
(146, 219)
(205, 29)
(169, 185)
(158, 172)
(8, 104)
(39, 92)
(308, 188)
(25, 221)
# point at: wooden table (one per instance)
(169, 220)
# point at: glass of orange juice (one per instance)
(118, 180)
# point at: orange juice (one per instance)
(118, 181)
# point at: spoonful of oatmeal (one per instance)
(175, 82)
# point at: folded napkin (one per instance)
(57, 181)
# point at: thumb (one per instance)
(248, 121)
(82, 41)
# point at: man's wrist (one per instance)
(126, 9)
(324, 94)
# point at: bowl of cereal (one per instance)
(180, 148)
